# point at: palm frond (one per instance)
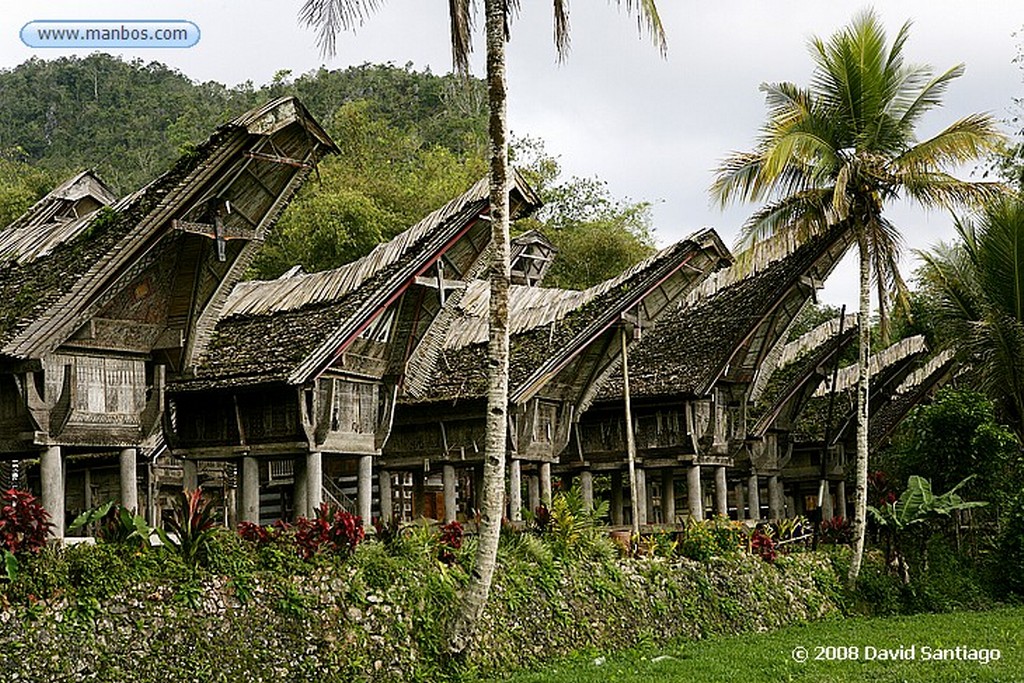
(561, 8)
(330, 17)
(805, 212)
(964, 140)
(941, 189)
(648, 20)
(460, 15)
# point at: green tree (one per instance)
(978, 284)
(597, 236)
(331, 16)
(21, 185)
(838, 150)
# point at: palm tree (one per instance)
(979, 287)
(331, 16)
(837, 151)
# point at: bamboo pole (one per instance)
(630, 442)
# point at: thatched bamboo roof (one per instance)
(548, 326)
(290, 329)
(728, 326)
(43, 301)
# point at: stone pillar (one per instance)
(641, 495)
(616, 511)
(694, 496)
(419, 501)
(450, 493)
(827, 512)
(668, 496)
(478, 488)
(587, 489)
(533, 492)
(545, 484)
(129, 479)
(384, 486)
(315, 483)
(300, 488)
(51, 475)
(721, 492)
(364, 488)
(189, 475)
(754, 498)
(776, 502)
(249, 491)
(790, 507)
(737, 493)
(515, 490)
(841, 499)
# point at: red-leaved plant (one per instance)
(191, 528)
(450, 541)
(332, 529)
(762, 545)
(24, 524)
(837, 531)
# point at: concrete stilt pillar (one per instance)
(668, 496)
(314, 482)
(721, 492)
(515, 490)
(478, 488)
(827, 511)
(737, 493)
(384, 486)
(129, 479)
(300, 488)
(841, 499)
(364, 488)
(754, 498)
(617, 517)
(51, 475)
(587, 489)
(451, 503)
(533, 492)
(694, 496)
(189, 475)
(419, 500)
(790, 506)
(545, 484)
(641, 495)
(249, 491)
(776, 502)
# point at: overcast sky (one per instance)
(653, 128)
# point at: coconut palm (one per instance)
(331, 16)
(837, 151)
(978, 284)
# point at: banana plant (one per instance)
(917, 507)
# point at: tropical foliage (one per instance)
(837, 151)
(978, 285)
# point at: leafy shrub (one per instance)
(24, 524)
(450, 541)
(836, 531)
(114, 523)
(256, 533)
(192, 526)
(332, 529)
(703, 539)
(764, 546)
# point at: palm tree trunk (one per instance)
(474, 597)
(860, 503)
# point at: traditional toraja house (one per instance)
(563, 344)
(803, 365)
(691, 379)
(299, 382)
(821, 441)
(97, 312)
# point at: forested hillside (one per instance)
(409, 141)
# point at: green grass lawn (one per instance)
(770, 656)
